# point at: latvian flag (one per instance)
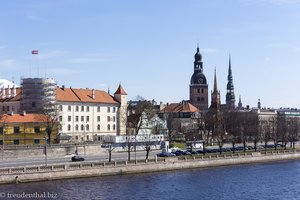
(35, 52)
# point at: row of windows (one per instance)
(35, 141)
(37, 129)
(87, 108)
(109, 118)
(88, 127)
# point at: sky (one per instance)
(148, 46)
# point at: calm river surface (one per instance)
(279, 180)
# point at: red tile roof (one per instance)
(21, 118)
(84, 95)
(120, 90)
(180, 107)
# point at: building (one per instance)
(84, 114)
(91, 115)
(215, 96)
(24, 129)
(198, 84)
(37, 93)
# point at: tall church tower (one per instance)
(215, 96)
(230, 98)
(199, 86)
(121, 96)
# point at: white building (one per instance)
(89, 114)
(84, 114)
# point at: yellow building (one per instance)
(25, 129)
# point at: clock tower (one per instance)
(199, 86)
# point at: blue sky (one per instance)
(148, 45)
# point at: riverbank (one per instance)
(90, 169)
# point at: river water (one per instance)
(280, 180)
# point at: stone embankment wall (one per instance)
(85, 169)
(15, 152)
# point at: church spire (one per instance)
(240, 105)
(215, 95)
(230, 97)
(198, 65)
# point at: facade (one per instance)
(91, 115)
(198, 85)
(24, 129)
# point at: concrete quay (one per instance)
(90, 169)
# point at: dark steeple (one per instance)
(230, 98)
(199, 86)
(258, 104)
(215, 95)
(198, 65)
(240, 105)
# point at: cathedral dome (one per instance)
(198, 78)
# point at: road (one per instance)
(116, 156)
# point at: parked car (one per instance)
(165, 154)
(77, 158)
(180, 152)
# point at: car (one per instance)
(77, 158)
(165, 154)
(181, 153)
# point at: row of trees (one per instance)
(245, 126)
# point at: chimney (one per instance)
(8, 92)
(3, 93)
(63, 87)
(93, 93)
(24, 113)
(14, 91)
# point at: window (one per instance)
(87, 137)
(82, 118)
(114, 127)
(69, 108)
(60, 108)
(12, 108)
(16, 129)
(32, 105)
(76, 118)
(108, 127)
(77, 108)
(60, 118)
(198, 90)
(202, 99)
(1, 142)
(202, 90)
(76, 127)
(82, 127)
(87, 118)
(87, 127)
(69, 118)
(98, 118)
(114, 109)
(198, 99)
(16, 142)
(108, 109)
(87, 109)
(36, 129)
(108, 118)
(69, 127)
(98, 127)
(1, 129)
(36, 141)
(82, 108)
(114, 118)
(98, 108)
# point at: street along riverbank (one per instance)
(90, 169)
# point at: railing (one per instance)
(157, 160)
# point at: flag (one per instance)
(35, 52)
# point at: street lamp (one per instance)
(45, 151)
